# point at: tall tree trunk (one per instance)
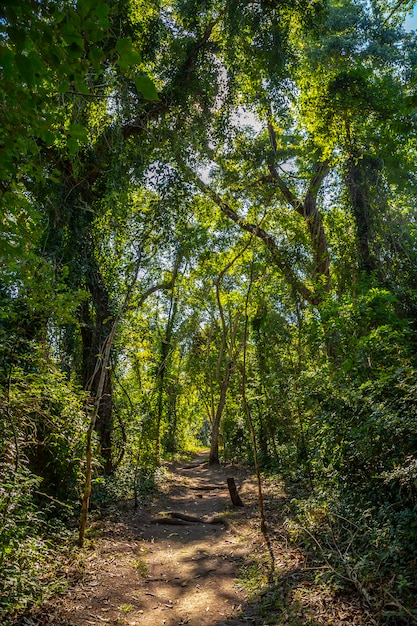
(358, 183)
(247, 408)
(227, 350)
(96, 325)
(101, 370)
(171, 438)
(260, 353)
(165, 350)
(215, 427)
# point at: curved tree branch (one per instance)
(309, 211)
(278, 255)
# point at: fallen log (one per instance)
(186, 518)
(193, 465)
(174, 518)
(214, 519)
(206, 487)
(168, 520)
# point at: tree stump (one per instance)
(233, 492)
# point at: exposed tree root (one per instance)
(206, 487)
(174, 518)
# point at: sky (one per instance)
(411, 21)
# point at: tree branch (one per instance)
(307, 209)
(277, 254)
(167, 97)
(309, 212)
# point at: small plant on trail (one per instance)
(141, 567)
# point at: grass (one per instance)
(141, 566)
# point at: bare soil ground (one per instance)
(141, 573)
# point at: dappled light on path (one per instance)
(151, 572)
(155, 567)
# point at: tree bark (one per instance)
(95, 329)
(357, 185)
(215, 428)
(102, 369)
(234, 496)
(308, 209)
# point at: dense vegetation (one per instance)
(209, 236)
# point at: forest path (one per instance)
(134, 572)
(145, 574)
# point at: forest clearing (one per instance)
(208, 241)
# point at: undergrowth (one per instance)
(34, 567)
(270, 594)
(366, 549)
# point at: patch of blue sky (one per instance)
(411, 21)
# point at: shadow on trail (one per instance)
(174, 573)
(282, 584)
(218, 554)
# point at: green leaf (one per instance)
(53, 178)
(78, 130)
(96, 55)
(124, 45)
(6, 60)
(75, 18)
(58, 52)
(103, 22)
(76, 48)
(102, 10)
(68, 30)
(72, 145)
(146, 87)
(85, 6)
(18, 37)
(64, 86)
(129, 58)
(82, 88)
(95, 34)
(25, 69)
(47, 136)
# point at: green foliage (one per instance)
(146, 87)
(370, 553)
(175, 153)
(357, 515)
(42, 422)
(28, 541)
(21, 548)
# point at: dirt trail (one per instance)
(146, 574)
(138, 573)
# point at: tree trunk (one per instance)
(357, 186)
(94, 333)
(215, 428)
(171, 438)
(231, 355)
(101, 370)
(234, 496)
(161, 374)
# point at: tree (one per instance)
(203, 148)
